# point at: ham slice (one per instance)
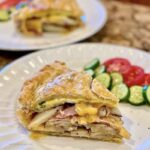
(70, 111)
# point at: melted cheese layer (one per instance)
(83, 120)
(83, 109)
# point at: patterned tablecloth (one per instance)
(128, 24)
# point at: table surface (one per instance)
(128, 24)
(145, 2)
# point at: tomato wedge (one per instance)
(121, 65)
(136, 76)
(147, 79)
(6, 4)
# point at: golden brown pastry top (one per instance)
(57, 82)
(39, 7)
(29, 87)
(62, 5)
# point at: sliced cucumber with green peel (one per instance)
(4, 15)
(93, 64)
(90, 72)
(100, 69)
(146, 93)
(121, 91)
(104, 79)
(11, 10)
(117, 78)
(136, 95)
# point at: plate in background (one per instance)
(94, 19)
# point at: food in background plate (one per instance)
(64, 102)
(7, 4)
(48, 16)
(4, 15)
(8, 7)
(128, 82)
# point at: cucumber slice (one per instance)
(4, 15)
(146, 93)
(116, 78)
(11, 10)
(136, 95)
(121, 91)
(104, 79)
(90, 72)
(100, 69)
(93, 64)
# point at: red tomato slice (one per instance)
(147, 79)
(9, 3)
(136, 76)
(118, 64)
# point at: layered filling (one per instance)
(49, 22)
(80, 119)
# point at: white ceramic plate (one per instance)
(94, 19)
(13, 136)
